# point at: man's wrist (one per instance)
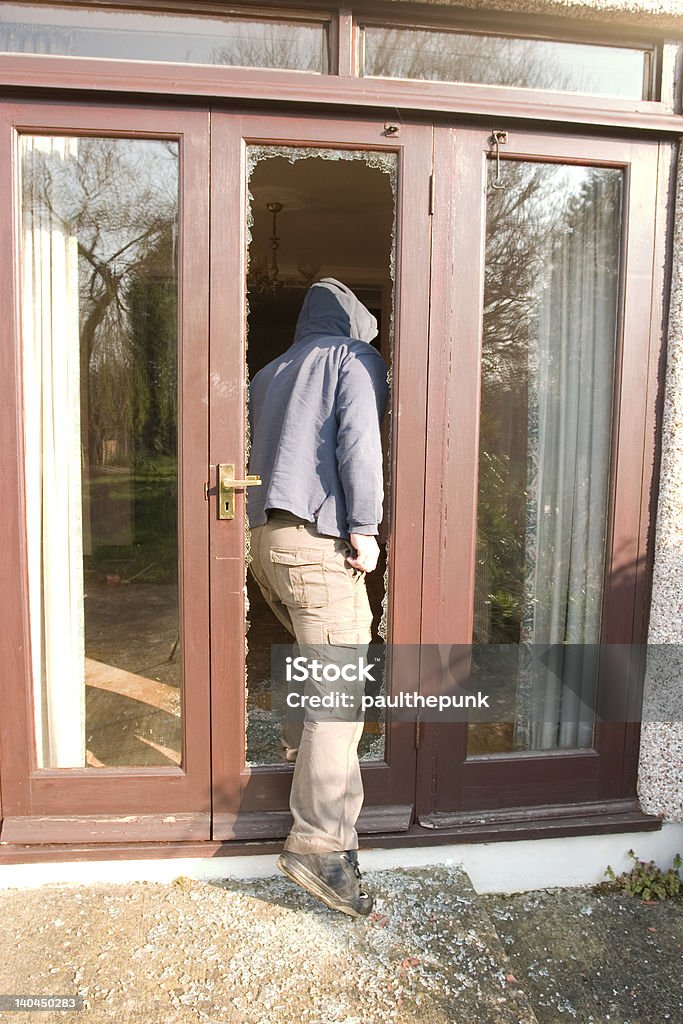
(367, 529)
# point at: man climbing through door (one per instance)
(315, 415)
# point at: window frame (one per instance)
(651, 79)
(344, 87)
(200, 10)
(609, 770)
(33, 796)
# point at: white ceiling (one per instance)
(340, 209)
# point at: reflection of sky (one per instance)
(118, 198)
(149, 174)
(129, 35)
(559, 184)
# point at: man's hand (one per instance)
(367, 552)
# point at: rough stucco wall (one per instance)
(663, 14)
(660, 776)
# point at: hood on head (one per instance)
(330, 307)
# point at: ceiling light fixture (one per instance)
(266, 278)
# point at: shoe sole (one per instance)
(308, 881)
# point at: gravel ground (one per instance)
(261, 952)
(594, 957)
(265, 952)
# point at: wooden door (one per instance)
(543, 355)
(105, 667)
(347, 189)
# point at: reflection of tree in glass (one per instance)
(273, 45)
(118, 198)
(520, 221)
(486, 60)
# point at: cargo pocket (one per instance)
(346, 636)
(300, 577)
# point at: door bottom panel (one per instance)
(276, 824)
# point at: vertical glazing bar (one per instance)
(346, 44)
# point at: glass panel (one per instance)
(502, 60)
(550, 315)
(99, 316)
(326, 201)
(181, 39)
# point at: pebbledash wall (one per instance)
(660, 772)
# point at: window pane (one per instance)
(128, 35)
(550, 315)
(501, 60)
(99, 319)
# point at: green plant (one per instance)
(648, 881)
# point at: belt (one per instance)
(283, 513)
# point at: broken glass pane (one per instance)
(311, 213)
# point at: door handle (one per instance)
(227, 485)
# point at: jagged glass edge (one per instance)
(387, 162)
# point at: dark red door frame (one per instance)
(252, 802)
(110, 804)
(452, 783)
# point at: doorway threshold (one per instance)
(494, 867)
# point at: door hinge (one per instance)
(431, 195)
(206, 490)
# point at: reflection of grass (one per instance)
(501, 531)
(152, 490)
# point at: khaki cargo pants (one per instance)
(323, 601)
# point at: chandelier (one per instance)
(265, 276)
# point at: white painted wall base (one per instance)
(493, 867)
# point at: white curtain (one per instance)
(52, 432)
(570, 409)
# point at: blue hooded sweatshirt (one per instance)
(314, 416)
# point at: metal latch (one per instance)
(227, 485)
(498, 139)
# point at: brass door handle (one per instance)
(226, 488)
